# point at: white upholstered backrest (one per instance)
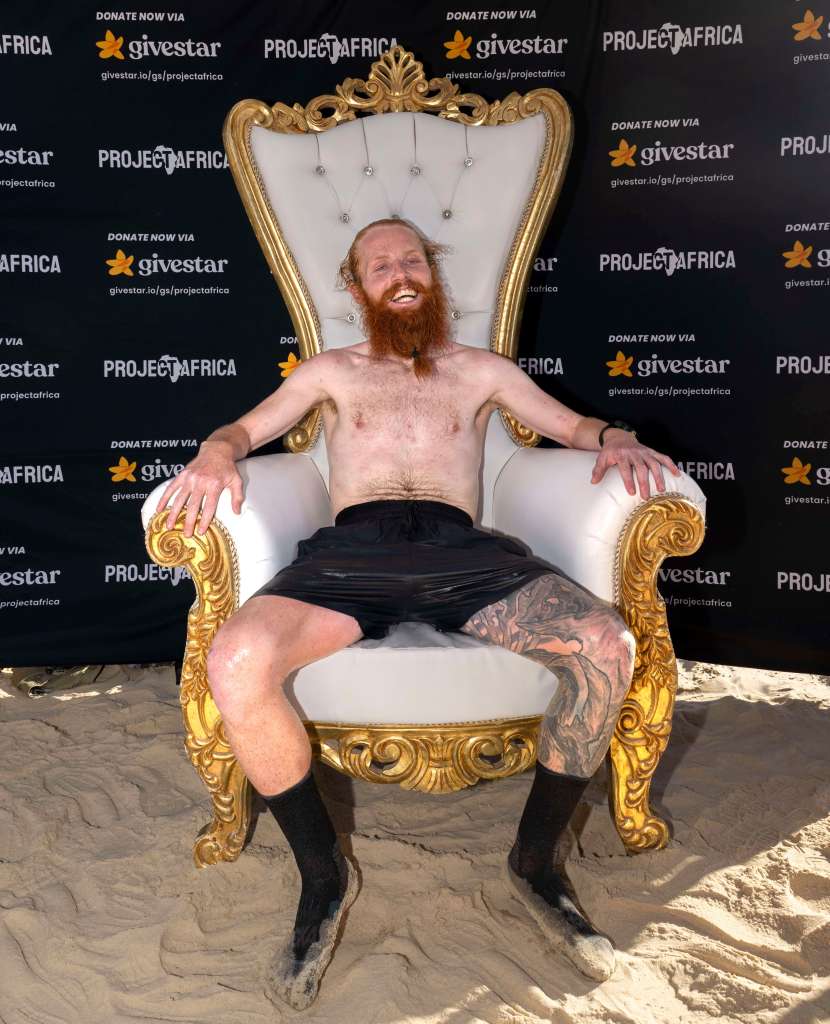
(471, 194)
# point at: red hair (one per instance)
(348, 273)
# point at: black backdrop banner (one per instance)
(679, 287)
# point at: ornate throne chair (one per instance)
(429, 711)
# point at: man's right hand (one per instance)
(203, 480)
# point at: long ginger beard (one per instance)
(400, 331)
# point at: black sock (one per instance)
(303, 818)
(550, 804)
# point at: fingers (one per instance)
(656, 461)
(168, 490)
(177, 506)
(657, 473)
(641, 469)
(208, 510)
(201, 501)
(624, 466)
(237, 494)
(640, 463)
(194, 504)
(667, 462)
(628, 465)
(212, 496)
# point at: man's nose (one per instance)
(398, 281)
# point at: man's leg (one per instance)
(586, 644)
(250, 659)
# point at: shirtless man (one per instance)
(403, 523)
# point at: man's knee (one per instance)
(238, 661)
(618, 645)
(628, 641)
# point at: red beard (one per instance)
(399, 331)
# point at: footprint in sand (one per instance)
(90, 790)
(811, 886)
(158, 799)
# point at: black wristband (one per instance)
(620, 425)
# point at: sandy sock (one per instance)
(303, 818)
(550, 804)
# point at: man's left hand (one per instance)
(633, 459)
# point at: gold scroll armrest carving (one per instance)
(666, 526)
(212, 562)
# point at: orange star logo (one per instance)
(620, 365)
(797, 472)
(290, 364)
(121, 264)
(459, 46)
(798, 256)
(123, 471)
(111, 47)
(623, 155)
(808, 29)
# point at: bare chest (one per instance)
(384, 402)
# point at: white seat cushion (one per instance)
(418, 675)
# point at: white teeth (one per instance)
(404, 297)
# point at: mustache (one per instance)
(410, 286)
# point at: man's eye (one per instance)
(380, 266)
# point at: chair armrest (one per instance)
(545, 498)
(285, 501)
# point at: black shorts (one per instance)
(392, 561)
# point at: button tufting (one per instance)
(446, 214)
(456, 315)
(344, 217)
(368, 170)
(351, 318)
(468, 161)
(415, 170)
(319, 169)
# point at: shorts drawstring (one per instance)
(411, 519)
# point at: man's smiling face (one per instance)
(393, 268)
(404, 306)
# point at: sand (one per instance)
(104, 919)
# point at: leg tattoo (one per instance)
(585, 643)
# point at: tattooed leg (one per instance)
(585, 643)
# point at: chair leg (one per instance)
(662, 527)
(641, 736)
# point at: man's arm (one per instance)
(203, 480)
(304, 388)
(514, 391)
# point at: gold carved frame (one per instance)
(447, 757)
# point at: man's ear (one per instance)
(357, 294)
